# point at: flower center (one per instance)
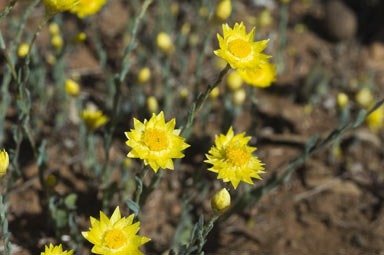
(114, 239)
(239, 48)
(156, 140)
(237, 156)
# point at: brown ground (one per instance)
(333, 205)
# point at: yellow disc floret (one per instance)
(156, 142)
(115, 236)
(238, 48)
(232, 159)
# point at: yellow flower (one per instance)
(144, 75)
(164, 42)
(4, 162)
(262, 77)
(223, 10)
(234, 81)
(238, 48)
(156, 142)
(375, 119)
(23, 50)
(55, 250)
(55, 6)
(115, 236)
(87, 7)
(232, 159)
(93, 119)
(221, 201)
(72, 87)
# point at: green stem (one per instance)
(152, 186)
(4, 225)
(207, 228)
(200, 100)
(139, 183)
(7, 10)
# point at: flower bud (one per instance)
(342, 100)
(223, 10)
(57, 42)
(144, 75)
(239, 97)
(4, 162)
(221, 201)
(234, 81)
(72, 87)
(53, 28)
(214, 93)
(164, 42)
(152, 104)
(23, 50)
(364, 97)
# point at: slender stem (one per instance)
(207, 228)
(200, 100)
(117, 82)
(7, 10)
(152, 186)
(4, 225)
(139, 183)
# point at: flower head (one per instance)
(4, 162)
(156, 142)
(238, 48)
(232, 159)
(87, 7)
(115, 236)
(55, 6)
(93, 119)
(220, 201)
(261, 77)
(55, 250)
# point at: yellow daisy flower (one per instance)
(115, 236)
(156, 142)
(232, 159)
(238, 48)
(56, 6)
(262, 77)
(87, 7)
(93, 119)
(55, 250)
